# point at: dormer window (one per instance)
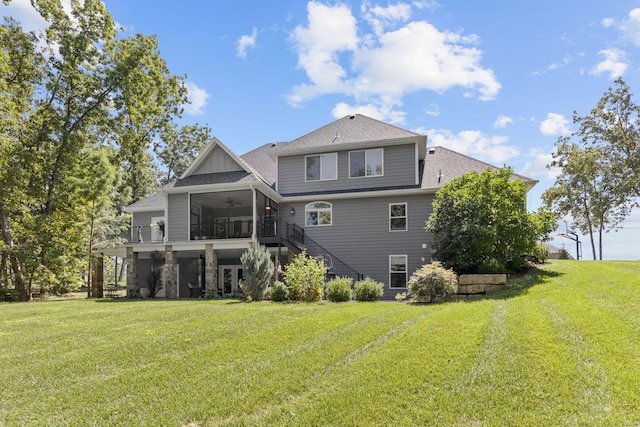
(321, 167)
(366, 163)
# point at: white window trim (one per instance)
(406, 279)
(321, 160)
(365, 163)
(306, 210)
(406, 217)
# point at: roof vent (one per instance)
(432, 151)
(351, 117)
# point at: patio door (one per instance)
(229, 277)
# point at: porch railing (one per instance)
(335, 266)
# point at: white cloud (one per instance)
(502, 122)
(536, 167)
(339, 57)
(246, 42)
(555, 124)
(197, 100)
(27, 16)
(381, 112)
(608, 22)
(433, 110)
(381, 18)
(631, 26)
(614, 63)
(330, 31)
(426, 4)
(492, 149)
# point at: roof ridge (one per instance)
(481, 161)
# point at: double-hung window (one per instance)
(321, 167)
(366, 163)
(397, 271)
(398, 217)
(318, 213)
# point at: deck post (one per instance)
(170, 283)
(132, 273)
(210, 270)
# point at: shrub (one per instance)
(305, 278)
(258, 271)
(539, 254)
(8, 295)
(279, 292)
(154, 279)
(432, 283)
(564, 254)
(490, 266)
(368, 290)
(339, 289)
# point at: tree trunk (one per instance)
(18, 277)
(4, 267)
(600, 240)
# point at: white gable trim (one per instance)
(215, 142)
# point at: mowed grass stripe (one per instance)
(418, 362)
(562, 347)
(593, 307)
(333, 374)
(219, 371)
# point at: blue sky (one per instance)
(498, 80)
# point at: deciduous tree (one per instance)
(480, 223)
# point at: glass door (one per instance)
(229, 279)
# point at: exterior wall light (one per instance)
(292, 211)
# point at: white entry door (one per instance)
(229, 277)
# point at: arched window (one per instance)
(317, 214)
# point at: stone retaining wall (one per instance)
(476, 285)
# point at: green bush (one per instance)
(8, 295)
(258, 271)
(368, 290)
(491, 266)
(279, 292)
(304, 277)
(539, 254)
(432, 283)
(339, 289)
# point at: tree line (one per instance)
(599, 181)
(88, 124)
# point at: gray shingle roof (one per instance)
(441, 165)
(155, 200)
(260, 161)
(349, 129)
(216, 178)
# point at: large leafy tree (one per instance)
(77, 87)
(588, 190)
(479, 223)
(179, 147)
(599, 181)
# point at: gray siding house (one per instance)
(356, 192)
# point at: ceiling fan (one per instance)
(231, 203)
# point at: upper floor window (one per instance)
(366, 163)
(321, 167)
(398, 217)
(318, 213)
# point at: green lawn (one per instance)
(560, 348)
